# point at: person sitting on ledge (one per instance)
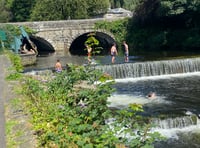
(32, 51)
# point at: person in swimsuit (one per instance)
(113, 52)
(58, 66)
(126, 51)
(89, 50)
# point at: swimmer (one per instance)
(151, 95)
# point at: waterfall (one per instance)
(178, 122)
(151, 68)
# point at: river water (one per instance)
(175, 110)
(175, 82)
(177, 101)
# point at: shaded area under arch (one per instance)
(105, 41)
(43, 46)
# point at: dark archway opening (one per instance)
(43, 46)
(78, 47)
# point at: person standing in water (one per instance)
(113, 52)
(89, 50)
(126, 51)
(58, 66)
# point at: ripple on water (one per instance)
(122, 101)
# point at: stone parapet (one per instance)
(28, 59)
(60, 34)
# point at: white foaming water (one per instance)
(31, 73)
(182, 75)
(122, 101)
(175, 132)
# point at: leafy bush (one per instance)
(71, 110)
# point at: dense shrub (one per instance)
(71, 110)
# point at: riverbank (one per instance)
(14, 122)
(3, 91)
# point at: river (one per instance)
(175, 82)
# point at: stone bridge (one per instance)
(68, 36)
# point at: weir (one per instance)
(177, 122)
(151, 68)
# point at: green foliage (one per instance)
(18, 11)
(11, 142)
(93, 43)
(17, 68)
(165, 25)
(131, 4)
(179, 6)
(71, 9)
(21, 10)
(11, 31)
(50, 10)
(65, 121)
(16, 60)
(129, 119)
(5, 14)
(97, 7)
(118, 28)
(71, 109)
(78, 9)
(14, 76)
(126, 4)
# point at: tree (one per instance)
(5, 13)
(78, 9)
(97, 7)
(146, 12)
(45, 10)
(93, 43)
(131, 4)
(186, 10)
(68, 9)
(159, 25)
(116, 3)
(21, 10)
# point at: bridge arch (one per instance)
(77, 46)
(43, 46)
(62, 36)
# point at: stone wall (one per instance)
(28, 59)
(60, 34)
